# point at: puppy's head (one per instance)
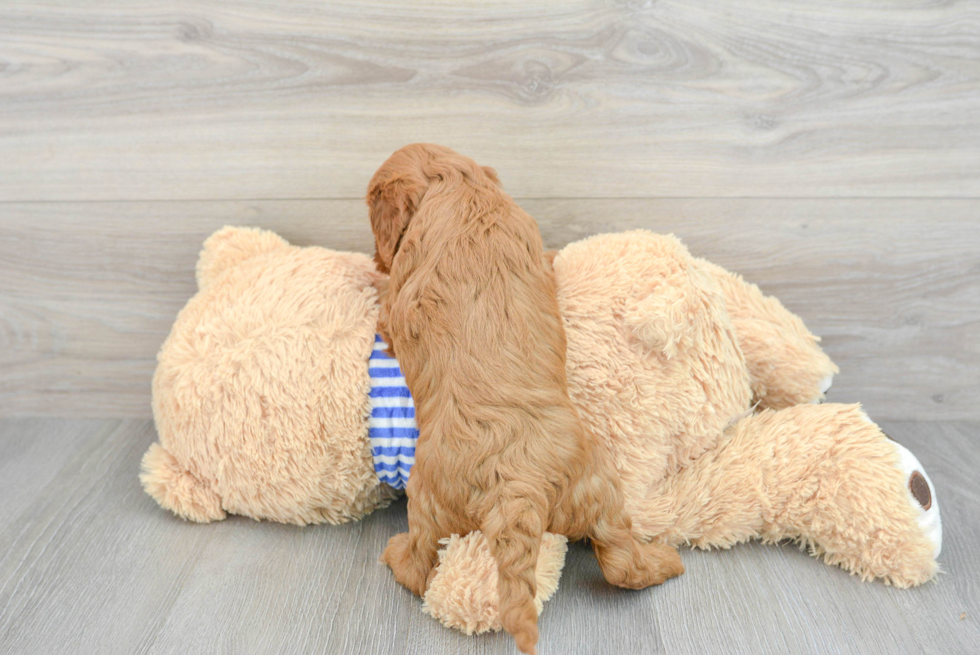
(397, 188)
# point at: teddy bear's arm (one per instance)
(786, 365)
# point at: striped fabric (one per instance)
(392, 422)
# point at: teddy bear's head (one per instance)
(261, 391)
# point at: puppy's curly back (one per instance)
(472, 314)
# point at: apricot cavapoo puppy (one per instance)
(471, 314)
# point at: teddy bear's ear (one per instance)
(229, 247)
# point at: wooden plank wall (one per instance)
(828, 151)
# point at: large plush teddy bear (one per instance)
(705, 391)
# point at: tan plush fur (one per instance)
(260, 394)
(464, 595)
(657, 369)
(472, 316)
(786, 367)
(636, 335)
(802, 473)
(678, 391)
(661, 353)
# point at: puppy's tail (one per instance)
(513, 529)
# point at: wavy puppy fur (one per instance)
(472, 314)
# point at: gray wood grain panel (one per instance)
(96, 554)
(88, 291)
(89, 564)
(35, 441)
(262, 99)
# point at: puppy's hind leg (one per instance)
(625, 562)
(412, 555)
(513, 529)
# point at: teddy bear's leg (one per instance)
(176, 489)
(823, 475)
(786, 365)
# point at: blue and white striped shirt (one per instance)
(391, 426)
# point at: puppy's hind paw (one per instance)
(398, 557)
(659, 564)
(656, 564)
(644, 565)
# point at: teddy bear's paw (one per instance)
(922, 497)
(824, 386)
(176, 489)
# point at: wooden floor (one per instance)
(829, 151)
(89, 564)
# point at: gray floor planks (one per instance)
(89, 564)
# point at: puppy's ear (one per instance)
(492, 174)
(392, 204)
